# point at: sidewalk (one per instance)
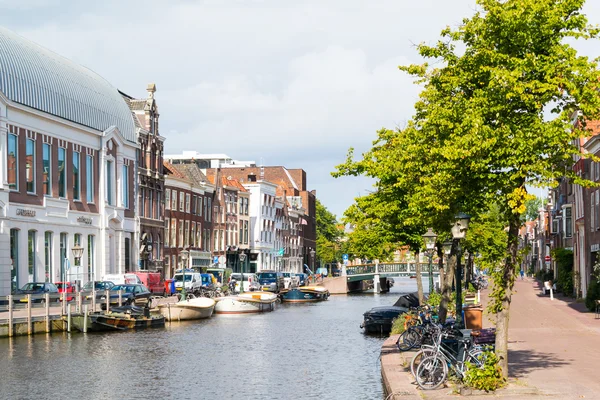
(554, 347)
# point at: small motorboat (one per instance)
(407, 300)
(124, 318)
(246, 303)
(380, 319)
(304, 294)
(192, 308)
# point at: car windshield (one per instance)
(33, 286)
(96, 285)
(267, 275)
(126, 289)
(178, 277)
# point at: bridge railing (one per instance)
(386, 268)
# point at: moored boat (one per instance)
(304, 294)
(380, 319)
(124, 319)
(246, 303)
(194, 308)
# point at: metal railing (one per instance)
(386, 268)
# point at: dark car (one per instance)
(132, 294)
(99, 286)
(303, 278)
(271, 281)
(37, 288)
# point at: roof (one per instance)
(191, 172)
(41, 79)
(227, 181)
(172, 171)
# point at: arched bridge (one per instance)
(386, 270)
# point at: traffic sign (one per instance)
(345, 257)
(547, 258)
(215, 259)
(221, 259)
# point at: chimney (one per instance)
(151, 89)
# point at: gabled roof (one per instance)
(41, 79)
(233, 183)
(171, 170)
(192, 172)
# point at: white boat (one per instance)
(245, 303)
(194, 308)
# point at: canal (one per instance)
(309, 351)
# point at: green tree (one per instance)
(495, 115)
(532, 207)
(328, 234)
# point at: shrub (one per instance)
(489, 377)
(593, 294)
(564, 263)
(397, 326)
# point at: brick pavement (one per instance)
(553, 351)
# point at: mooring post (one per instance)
(79, 302)
(10, 315)
(69, 318)
(94, 300)
(85, 318)
(107, 300)
(29, 324)
(120, 298)
(47, 306)
(64, 303)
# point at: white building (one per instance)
(67, 167)
(205, 161)
(262, 225)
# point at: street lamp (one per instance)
(467, 270)
(429, 239)
(459, 231)
(77, 254)
(242, 261)
(184, 256)
(312, 261)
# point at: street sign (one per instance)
(215, 260)
(345, 257)
(547, 258)
(221, 259)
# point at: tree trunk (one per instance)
(506, 280)
(440, 253)
(447, 286)
(419, 282)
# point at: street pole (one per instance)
(430, 272)
(459, 321)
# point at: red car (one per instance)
(66, 287)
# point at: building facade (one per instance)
(68, 160)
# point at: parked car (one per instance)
(99, 286)
(66, 287)
(271, 281)
(250, 281)
(290, 280)
(133, 294)
(38, 288)
(121, 279)
(336, 272)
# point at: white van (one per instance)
(193, 280)
(122, 279)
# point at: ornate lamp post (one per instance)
(459, 231)
(184, 256)
(77, 254)
(429, 239)
(467, 270)
(242, 261)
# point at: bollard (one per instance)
(107, 301)
(120, 298)
(94, 300)
(29, 324)
(79, 302)
(47, 299)
(551, 294)
(69, 318)
(478, 296)
(10, 315)
(85, 318)
(63, 306)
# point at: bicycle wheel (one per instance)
(476, 357)
(431, 373)
(407, 339)
(418, 358)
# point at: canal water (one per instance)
(308, 351)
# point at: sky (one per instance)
(289, 83)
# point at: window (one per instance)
(91, 251)
(168, 199)
(199, 236)
(31, 255)
(89, 178)
(158, 207)
(193, 235)
(173, 232)
(199, 207)
(109, 183)
(209, 215)
(63, 256)
(48, 273)
(77, 242)
(186, 240)
(167, 233)
(174, 200)
(30, 166)
(204, 208)
(13, 162)
(127, 255)
(592, 216)
(181, 201)
(568, 221)
(76, 186)
(142, 202)
(14, 256)
(46, 170)
(62, 172)
(180, 244)
(125, 186)
(216, 241)
(187, 203)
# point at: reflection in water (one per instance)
(305, 351)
